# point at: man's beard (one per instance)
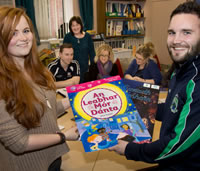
(195, 50)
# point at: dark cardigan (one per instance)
(93, 72)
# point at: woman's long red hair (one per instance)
(16, 91)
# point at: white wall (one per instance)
(157, 13)
(76, 8)
(7, 2)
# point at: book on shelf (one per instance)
(104, 113)
(115, 7)
(145, 97)
(133, 10)
(121, 9)
(131, 25)
(109, 7)
(140, 27)
(119, 28)
(129, 11)
(113, 28)
(108, 25)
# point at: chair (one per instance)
(120, 71)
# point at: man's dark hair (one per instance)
(78, 20)
(189, 7)
(65, 45)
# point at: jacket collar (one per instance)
(181, 69)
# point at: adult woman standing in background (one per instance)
(82, 44)
(30, 139)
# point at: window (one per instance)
(6, 2)
(52, 17)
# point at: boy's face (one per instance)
(67, 55)
(183, 40)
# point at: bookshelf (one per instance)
(121, 18)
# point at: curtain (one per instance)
(86, 11)
(29, 6)
(49, 17)
(42, 15)
(6, 2)
(68, 10)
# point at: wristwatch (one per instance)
(62, 137)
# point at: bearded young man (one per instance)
(179, 145)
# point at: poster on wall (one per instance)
(104, 113)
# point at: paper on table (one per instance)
(61, 127)
(62, 91)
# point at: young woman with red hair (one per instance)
(29, 135)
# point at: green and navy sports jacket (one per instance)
(179, 145)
